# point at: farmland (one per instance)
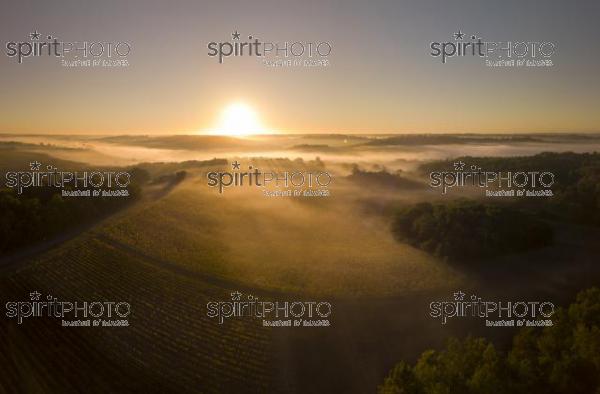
(168, 332)
(183, 244)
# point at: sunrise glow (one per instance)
(238, 119)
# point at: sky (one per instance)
(380, 77)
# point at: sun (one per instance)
(238, 119)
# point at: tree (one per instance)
(562, 358)
(468, 230)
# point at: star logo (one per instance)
(459, 36)
(35, 165)
(235, 165)
(459, 165)
(35, 296)
(35, 35)
(235, 296)
(459, 295)
(236, 35)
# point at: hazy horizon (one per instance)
(322, 133)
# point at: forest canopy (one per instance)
(467, 230)
(562, 358)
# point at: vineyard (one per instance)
(261, 242)
(170, 340)
(181, 246)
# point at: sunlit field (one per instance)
(182, 244)
(282, 244)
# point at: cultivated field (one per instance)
(183, 245)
